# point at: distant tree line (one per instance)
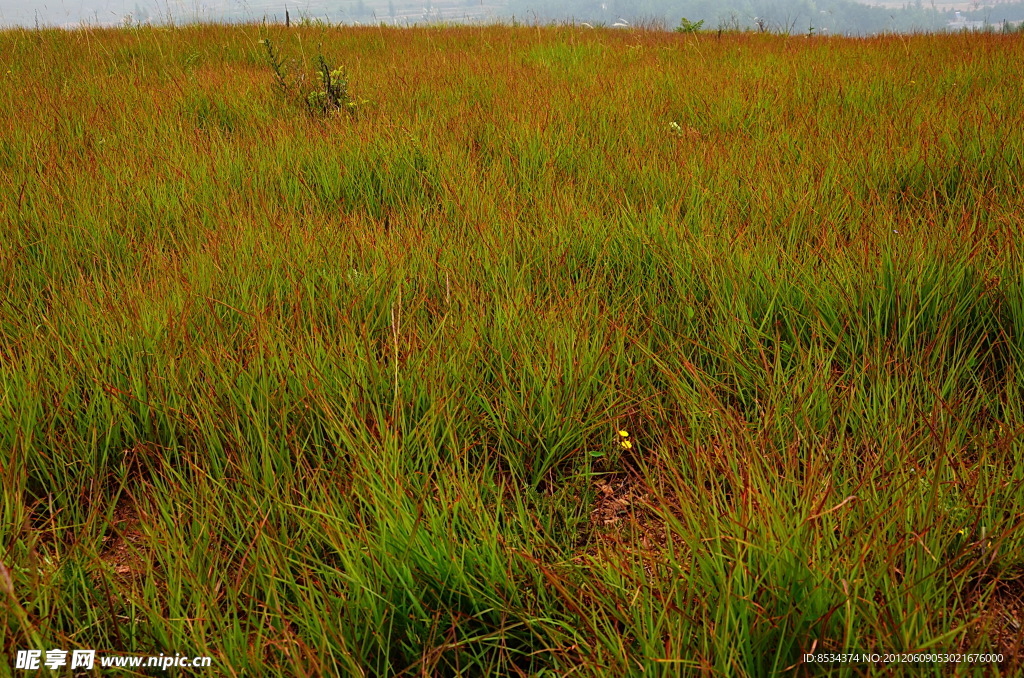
(793, 16)
(818, 17)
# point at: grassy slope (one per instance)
(320, 396)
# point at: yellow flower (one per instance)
(624, 434)
(626, 445)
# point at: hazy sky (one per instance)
(113, 12)
(107, 12)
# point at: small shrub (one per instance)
(687, 26)
(333, 93)
(329, 95)
(278, 66)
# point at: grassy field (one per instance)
(567, 352)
